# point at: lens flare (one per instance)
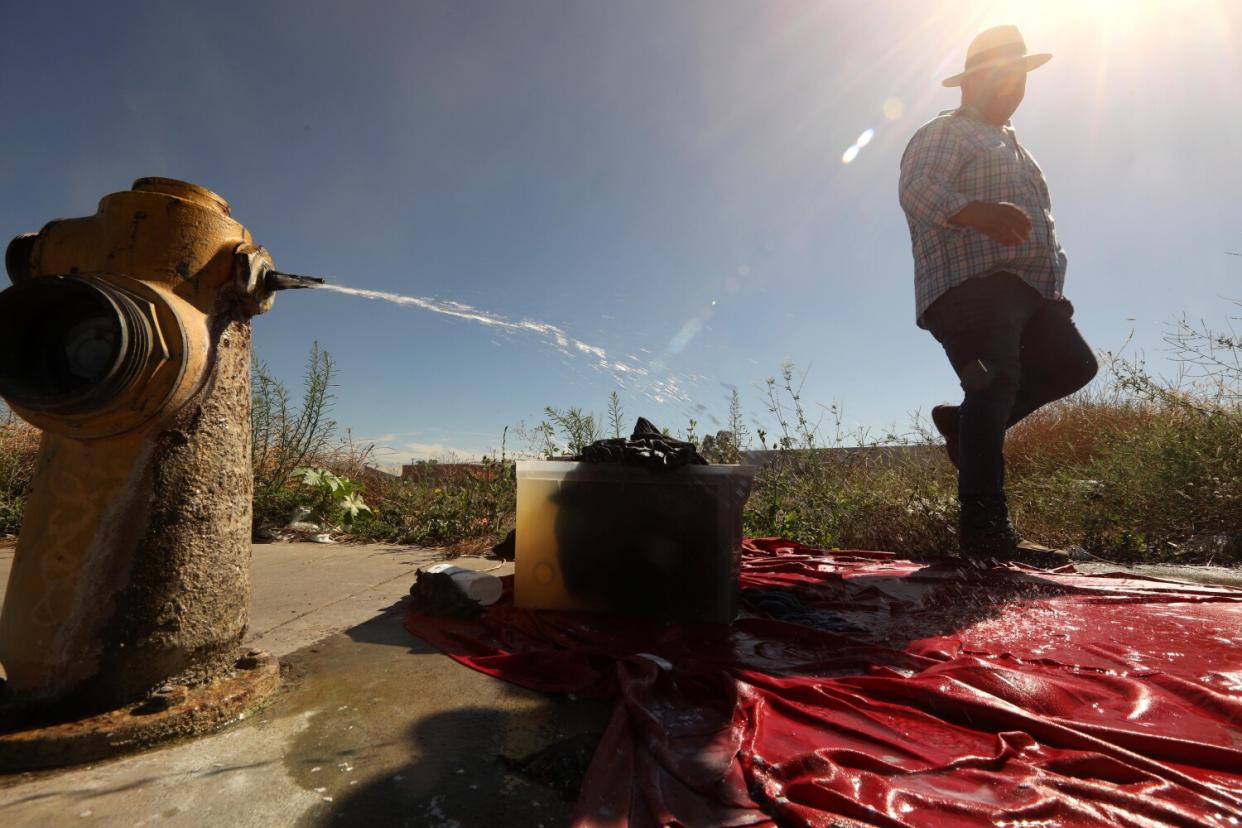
(850, 154)
(865, 138)
(687, 333)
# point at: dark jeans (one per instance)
(1014, 351)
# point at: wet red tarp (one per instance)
(1002, 696)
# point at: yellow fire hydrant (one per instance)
(126, 338)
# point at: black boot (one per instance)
(1000, 542)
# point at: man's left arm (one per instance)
(928, 196)
(928, 167)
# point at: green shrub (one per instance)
(285, 438)
(449, 505)
(334, 499)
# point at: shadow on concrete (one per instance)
(459, 778)
(386, 628)
(430, 742)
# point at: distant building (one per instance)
(871, 455)
(430, 471)
(373, 473)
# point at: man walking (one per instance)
(988, 278)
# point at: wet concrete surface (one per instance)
(406, 737)
(372, 727)
(1220, 575)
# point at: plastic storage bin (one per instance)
(619, 538)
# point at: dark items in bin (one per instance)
(647, 446)
(654, 545)
(636, 529)
(652, 548)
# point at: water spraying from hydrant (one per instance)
(554, 335)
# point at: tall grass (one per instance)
(1134, 468)
(1109, 472)
(829, 486)
(1139, 470)
(286, 436)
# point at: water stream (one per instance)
(627, 374)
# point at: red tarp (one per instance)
(1003, 696)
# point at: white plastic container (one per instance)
(480, 587)
(626, 539)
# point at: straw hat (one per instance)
(1000, 46)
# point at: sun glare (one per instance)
(1116, 10)
(1140, 23)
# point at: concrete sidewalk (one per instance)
(302, 592)
(373, 727)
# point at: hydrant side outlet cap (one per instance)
(17, 257)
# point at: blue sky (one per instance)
(660, 180)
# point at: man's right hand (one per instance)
(1003, 222)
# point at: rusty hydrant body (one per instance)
(126, 338)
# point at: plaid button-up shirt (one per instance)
(957, 158)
